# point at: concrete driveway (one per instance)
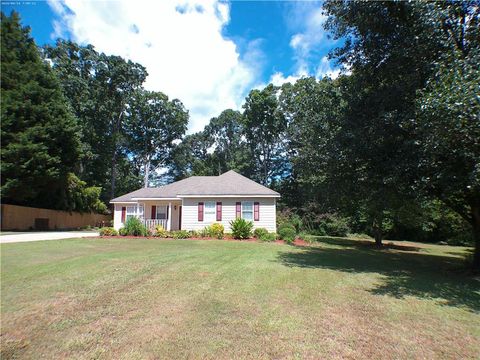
(44, 235)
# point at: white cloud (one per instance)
(279, 78)
(309, 40)
(324, 69)
(179, 42)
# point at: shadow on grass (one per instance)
(408, 271)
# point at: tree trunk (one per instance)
(113, 174)
(476, 237)
(377, 233)
(147, 172)
(115, 131)
(378, 237)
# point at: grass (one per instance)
(146, 299)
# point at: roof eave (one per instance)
(228, 196)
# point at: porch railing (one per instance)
(152, 223)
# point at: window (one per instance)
(247, 210)
(161, 212)
(210, 214)
(134, 211)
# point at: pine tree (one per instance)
(40, 144)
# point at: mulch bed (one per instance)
(297, 242)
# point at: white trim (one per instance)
(169, 216)
(180, 197)
(229, 196)
(156, 198)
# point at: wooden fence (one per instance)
(15, 217)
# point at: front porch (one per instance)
(168, 214)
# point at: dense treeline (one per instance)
(390, 148)
(78, 128)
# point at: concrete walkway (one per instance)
(44, 235)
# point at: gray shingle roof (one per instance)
(229, 183)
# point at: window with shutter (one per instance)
(200, 211)
(219, 211)
(256, 211)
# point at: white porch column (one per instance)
(169, 216)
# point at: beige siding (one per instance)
(190, 213)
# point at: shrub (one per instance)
(194, 233)
(160, 231)
(241, 228)
(215, 230)
(288, 216)
(268, 237)
(134, 227)
(122, 232)
(287, 234)
(287, 226)
(108, 231)
(205, 232)
(259, 232)
(326, 224)
(180, 234)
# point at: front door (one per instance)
(180, 217)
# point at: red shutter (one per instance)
(154, 212)
(124, 213)
(256, 211)
(238, 210)
(219, 211)
(200, 211)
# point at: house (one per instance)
(198, 201)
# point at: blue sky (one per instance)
(209, 54)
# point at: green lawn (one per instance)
(136, 299)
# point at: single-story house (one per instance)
(198, 201)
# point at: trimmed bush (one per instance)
(287, 234)
(267, 237)
(134, 227)
(215, 230)
(180, 234)
(259, 232)
(241, 228)
(122, 232)
(108, 231)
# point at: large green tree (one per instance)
(264, 131)
(99, 88)
(230, 149)
(420, 142)
(312, 109)
(192, 157)
(154, 123)
(40, 145)
(448, 114)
